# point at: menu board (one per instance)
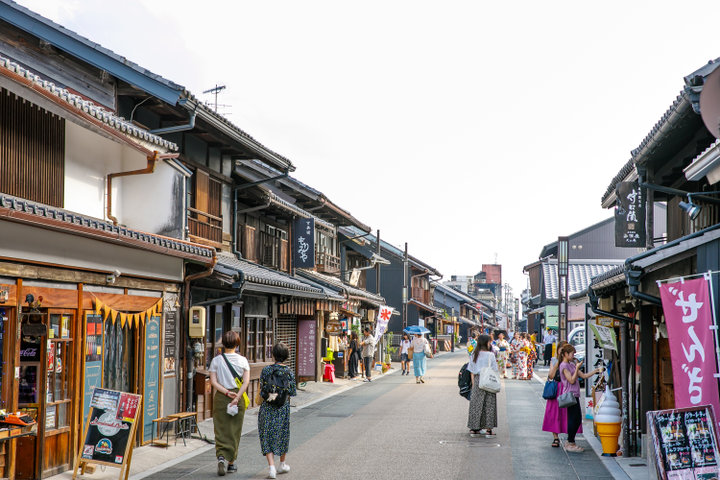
(112, 425)
(306, 348)
(685, 443)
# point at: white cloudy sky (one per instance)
(470, 129)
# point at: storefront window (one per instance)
(119, 357)
(59, 371)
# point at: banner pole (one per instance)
(714, 328)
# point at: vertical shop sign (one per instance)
(152, 366)
(306, 348)
(170, 343)
(303, 246)
(629, 215)
(688, 315)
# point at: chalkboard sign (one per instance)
(685, 443)
(306, 348)
(109, 430)
(93, 358)
(152, 375)
(170, 335)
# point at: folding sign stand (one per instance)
(109, 433)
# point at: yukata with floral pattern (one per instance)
(503, 356)
(274, 422)
(515, 345)
(532, 356)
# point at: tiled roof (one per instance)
(14, 208)
(579, 276)
(607, 275)
(337, 283)
(88, 107)
(266, 276)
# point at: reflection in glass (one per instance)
(28, 390)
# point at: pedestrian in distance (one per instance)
(404, 348)
(353, 355)
(368, 353)
(548, 341)
(419, 346)
(531, 356)
(482, 413)
(503, 355)
(472, 342)
(224, 369)
(277, 385)
(515, 345)
(555, 418)
(569, 373)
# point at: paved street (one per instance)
(394, 427)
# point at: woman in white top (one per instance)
(228, 428)
(482, 414)
(418, 346)
(404, 347)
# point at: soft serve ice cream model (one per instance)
(608, 421)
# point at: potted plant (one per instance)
(389, 350)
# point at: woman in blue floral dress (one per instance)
(274, 421)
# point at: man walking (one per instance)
(368, 353)
(548, 340)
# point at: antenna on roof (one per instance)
(495, 258)
(215, 90)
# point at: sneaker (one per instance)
(222, 468)
(283, 468)
(231, 468)
(272, 473)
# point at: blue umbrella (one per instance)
(416, 329)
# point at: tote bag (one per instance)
(567, 399)
(550, 390)
(489, 380)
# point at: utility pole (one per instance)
(215, 90)
(405, 288)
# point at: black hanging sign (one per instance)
(303, 246)
(629, 215)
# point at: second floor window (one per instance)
(32, 151)
(205, 215)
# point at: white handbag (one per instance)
(489, 380)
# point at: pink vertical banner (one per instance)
(689, 316)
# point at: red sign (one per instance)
(127, 407)
(688, 315)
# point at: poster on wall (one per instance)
(152, 381)
(688, 316)
(170, 343)
(685, 443)
(93, 358)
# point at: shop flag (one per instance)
(383, 319)
(689, 318)
(629, 215)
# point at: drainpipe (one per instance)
(190, 364)
(150, 168)
(177, 128)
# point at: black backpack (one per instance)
(276, 389)
(465, 382)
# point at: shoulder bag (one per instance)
(238, 381)
(428, 352)
(567, 399)
(489, 380)
(550, 390)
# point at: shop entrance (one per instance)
(46, 382)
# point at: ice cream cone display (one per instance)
(608, 421)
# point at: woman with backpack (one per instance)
(227, 370)
(482, 414)
(277, 385)
(353, 354)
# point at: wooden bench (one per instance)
(165, 423)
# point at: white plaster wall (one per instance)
(148, 202)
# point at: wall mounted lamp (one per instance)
(693, 209)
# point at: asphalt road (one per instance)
(395, 428)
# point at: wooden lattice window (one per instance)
(32, 151)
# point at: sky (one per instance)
(475, 131)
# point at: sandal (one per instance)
(474, 433)
(574, 448)
(556, 443)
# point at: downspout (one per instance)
(150, 168)
(190, 364)
(177, 128)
